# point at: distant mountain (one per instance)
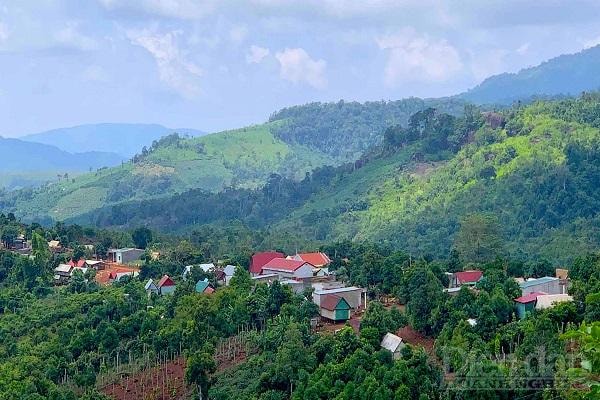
(21, 156)
(123, 139)
(568, 74)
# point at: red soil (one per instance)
(157, 383)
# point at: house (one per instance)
(166, 285)
(393, 344)
(334, 308)
(124, 256)
(546, 284)
(151, 288)
(318, 259)
(202, 286)
(563, 279)
(62, 273)
(259, 260)
(352, 294)
(470, 278)
(265, 278)
(296, 286)
(113, 273)
(54, 246)
(79, 263)
(95, 264)
(526, 304)
(228, 272)
(321, 272)
(549, 300)
(206, 268)
(288, 269)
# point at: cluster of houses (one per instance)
(106, 271)
(536, 293)
(301, 271)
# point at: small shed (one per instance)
(526, 304)
(151, 287)
(335, 308)
(203, 286)
(166, 285)
(393, 344)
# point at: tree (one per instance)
(479, 238)
(141, 236)
(198, 369)
(241, 280)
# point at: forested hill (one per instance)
(525, 178)
(344, 130)
(296, 141)
(569, 74)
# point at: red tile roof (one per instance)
(317, 259)
(78, 264)
(165, 281)
(472, 276)
(104, 276)
(330, 302)
(209, 290)
(284, 264)
(260, 259)
(528, 298)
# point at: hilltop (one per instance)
(569, 74)
(120, 138)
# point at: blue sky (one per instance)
(214, 65)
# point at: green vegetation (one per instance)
(526, 176)
(67, 342)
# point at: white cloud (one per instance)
(181, 9)
(256, 54)
(174, 69)
(413, 58)
(71, 37)
(297, 66)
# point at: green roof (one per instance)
(201, 286)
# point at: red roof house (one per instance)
(528, 298)
(287, 268)
(317, 259)
(260, 259)
(465, 278)
(166, 285)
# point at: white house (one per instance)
(394, 344)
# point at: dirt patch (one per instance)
(152, 170)
(420, 170)
(158, 383)
(414, 338)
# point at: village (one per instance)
(307, 274)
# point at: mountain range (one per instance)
(404, 171)
(123, 139)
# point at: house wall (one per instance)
(331, 315)
(552, 287)
(167, 290)
(129, 256)
(305, 271)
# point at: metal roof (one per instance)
(391, 342)
(538, 281)
(338, 290)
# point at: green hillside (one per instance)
(239, 158)
(529, 174)
(295, 141)
(538, 175)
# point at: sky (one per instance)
(221, 64)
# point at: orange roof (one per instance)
(317, 259)
(105, 276)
